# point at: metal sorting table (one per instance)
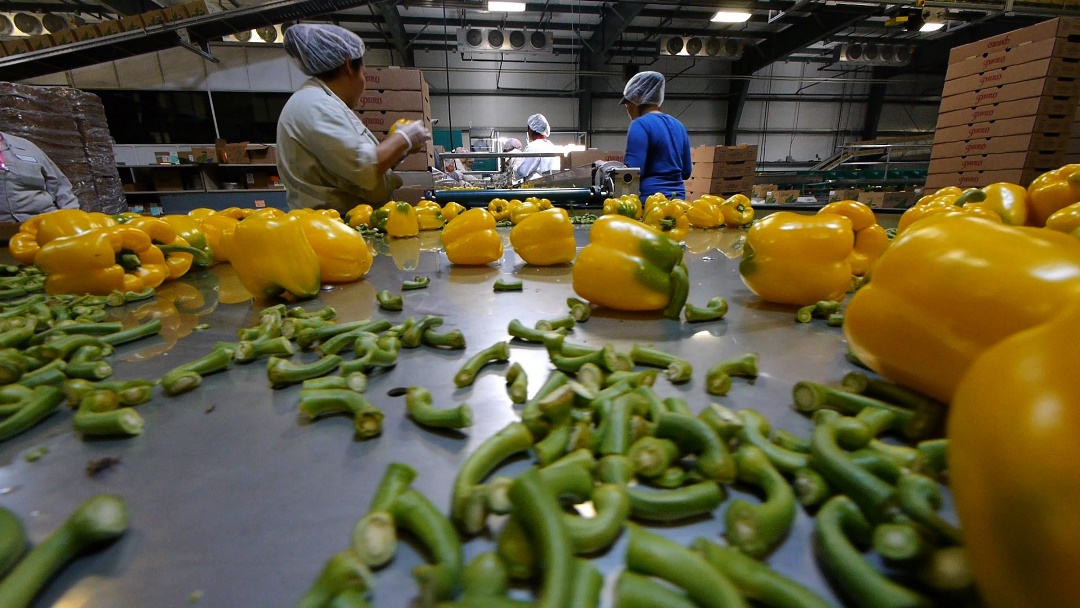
(233, 498)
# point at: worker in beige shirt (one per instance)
(327, 158)
(30, 182)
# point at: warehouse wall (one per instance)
(493, 95)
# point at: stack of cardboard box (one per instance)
(1072, 154)
(177, 12)
(1007, 107)
(395, 94)
(721, 170)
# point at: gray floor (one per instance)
(234, 498)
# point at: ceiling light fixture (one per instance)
(731, 17)
(931, 27)
(495, 6)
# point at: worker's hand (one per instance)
(415, 133)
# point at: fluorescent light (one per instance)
(505, 7)
(931, 27)
(731, 17)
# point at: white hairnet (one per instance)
(321, 48)
(644, 89)
(511, 144)
(538, 124)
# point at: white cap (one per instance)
(644, 89)
(538, 124)
(511, 144)
(321, 48)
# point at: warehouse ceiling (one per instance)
(879, 34)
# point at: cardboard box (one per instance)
(580, 158)
(86, 32)
(1009, 92)
(741, 168)
(1047, 106)
(109, 28)
(232, 154)
(718, 154)
(762, 191)
(262, 154)
(844, 195)
(782, 197)
(1000, 128)
(1010, 143)
(998, 162)
(978, 179)
(1061, 27)
(416, 178)
(397, 101)
(1014, 55)
(1050, 66)
(16, 46)
(45, 41)
(708, 185)
(199, 8)
(131, 23)
(395, 79)
(420, 161)
(198, 155)
(174, 13)
(164, 158)
(382, 121)
(614, 155)
(258, 180)
(153, 18)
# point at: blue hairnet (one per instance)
(538, 124)
(512, 144)
(644, 89)
(321, 48)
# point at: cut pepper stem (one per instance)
(565, 322)
(418, 403)
(579, 309)
(500, 351)
(388, 301)
(282, 372)
(418, 282)
(518, 330)
(678, 370)
(713, 311)
(680, 289)
(451, 339)
(517, 382)
(506, 285)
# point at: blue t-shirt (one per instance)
(659, 145)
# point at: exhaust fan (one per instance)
(695, 46)
(27, 24)
(482, 39)
(873, 54)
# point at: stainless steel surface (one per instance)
(231, 496)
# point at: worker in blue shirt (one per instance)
(656, 142)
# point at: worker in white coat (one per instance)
(327, 158)
(533, 167)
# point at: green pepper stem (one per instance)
(652, 554)
(757, 529)
(579, 309)
(810, 487)
(538, 512)
(680, 289)
(138, 332)
(388, 301)
(637, 591)
(507, 285)
(512, 439)
(517, 382)
(418, 403)
(755, 579)
(418, 282)
(500, 351)
(678, 370)
(124, 421)
(715, 310)
(564, 322)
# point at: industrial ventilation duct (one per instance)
(696, 46)
(482, 39)
(873, 54)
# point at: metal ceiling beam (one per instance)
(615, 20)
(803, 32)
(395, 26)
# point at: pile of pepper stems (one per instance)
(597, 432)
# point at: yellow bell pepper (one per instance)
(499, 208)
(798, 259)
(402, 221)
(219, 231)
(125, 217)
(359, 215)
(179, 255)
(653, 200)
(342, 252)
(47, 227)
(681, 204)
(945, 196)
(545, 238)
(624, 205)
(101, 261)
(201, 213)
(952, 287)
(629, 266)
(668, 218)
(705, 213)
(429, 217)
(983, 211)
(470, 239)
(272, 256)
(541, 203)
(235, 212)
(188, 228)
(1052, 191)
(737, 211)
(451, 210)
(919, 212)
(426, 203)
(268, 212)
(870, 238)
(1066, 219)
(1013, 449)
(1010, 201)
(523, 210)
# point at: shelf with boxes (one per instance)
(721, 170)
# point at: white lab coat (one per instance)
(326, 156)
(529, 168)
